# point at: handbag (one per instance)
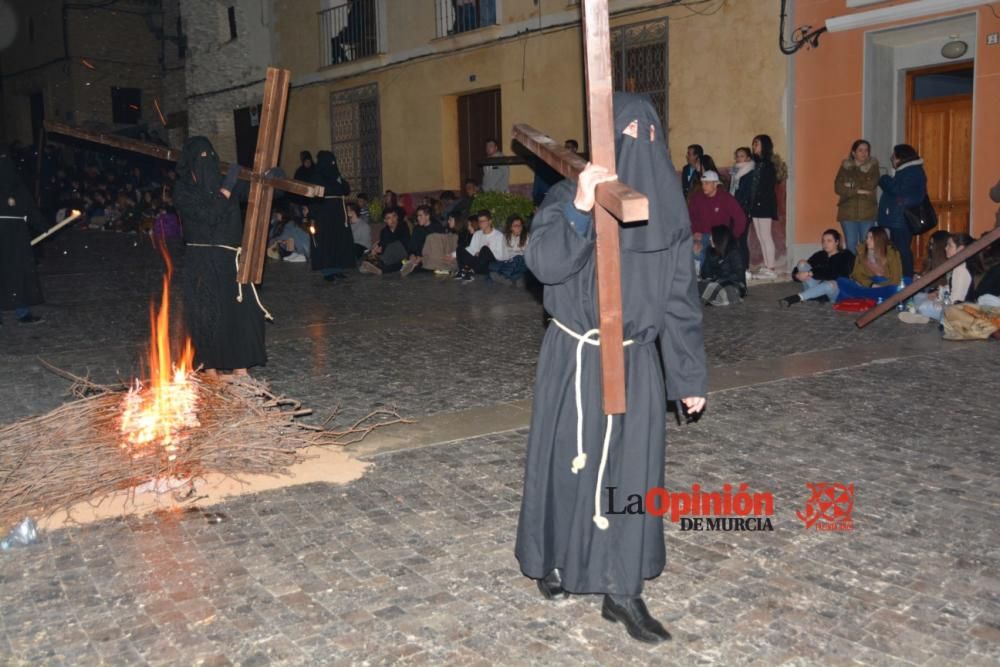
(922, 217)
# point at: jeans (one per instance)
(855, 232)
(298, 236)
(512, 269)
(813, 289)
(852, 290)
(901, 237)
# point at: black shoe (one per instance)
(331, 277)
(29, 319)
(789, 301)
(633, 613)
(551, 586)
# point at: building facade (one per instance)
(407, 91)
(931, 80)
(113, 65)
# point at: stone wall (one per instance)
(224, 74)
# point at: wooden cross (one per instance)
(255, 228)
(615, 201)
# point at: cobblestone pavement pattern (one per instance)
(414, 562)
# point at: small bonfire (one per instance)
(176, 427)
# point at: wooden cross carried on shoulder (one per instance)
(615, 201)
(255, 227)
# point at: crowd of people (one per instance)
(874, 259)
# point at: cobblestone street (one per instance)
(414, 563)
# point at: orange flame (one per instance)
(162, 412)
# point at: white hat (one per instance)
(710, 177)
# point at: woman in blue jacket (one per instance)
(906, 188)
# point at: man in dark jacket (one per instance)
(19, 221)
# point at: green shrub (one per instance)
(502, 205)
(375, 210)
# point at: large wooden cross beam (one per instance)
(615, 201)
(272, 119)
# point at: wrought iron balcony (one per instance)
(350, 31)
(457, 16)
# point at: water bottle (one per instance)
(901, 306)
(945, 293)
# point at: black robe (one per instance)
(557, 526)
(20, 220)
(226, 334)
(333, 242)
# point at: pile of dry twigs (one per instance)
(72, 454)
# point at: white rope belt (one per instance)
(591, 337)
(239, 285)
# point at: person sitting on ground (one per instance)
(392, 248)
(819, 273)
(426, 225)
(361, 231)
(722, 280)
(390, 202)
(931, 305)
(439, 249)
(463, 207)
(512, 269)
(289, 241)
(709, 207)
(877, 272)
(364, 202)
(448, 201)
(936, 256)
(487, 245)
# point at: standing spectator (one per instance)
(764, 201)
(820, 273)
(857, 209)
(693, 166)
(906, 188)
(495, 177)
(710, 207)
(740, 186)
(305, 169)
(487, 245)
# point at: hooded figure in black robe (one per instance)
(226, 333)
(20, 220)
(333, 242)
(562, 526)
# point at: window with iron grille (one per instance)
(456, 16)
(639, 61)
(355, 137)
(350, 30)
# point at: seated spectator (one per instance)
(487, 245)
(722, 279)
(877, 272)
(391, 203)
(512, 269)
(710, 206)
(819, 273)
(364, 202)
(392, 248)
(289, 239)
(360, 229)
(439, 249)
(426, 225)
(448, 201)
(931, 305)
(936, 256)
(463, 207)
(989, 281)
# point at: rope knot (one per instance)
(579, 463)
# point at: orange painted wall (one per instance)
(828, 116)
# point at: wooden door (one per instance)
(478, 121)
(940, 128)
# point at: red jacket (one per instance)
(722, 209)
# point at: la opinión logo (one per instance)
(829, 507)
(699, 510)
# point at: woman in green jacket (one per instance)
(878, 269)
(857, 208)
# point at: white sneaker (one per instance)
(749, 276)
(296, 257)
(766, 273)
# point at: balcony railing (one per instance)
(457, 16)
(350, 31)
